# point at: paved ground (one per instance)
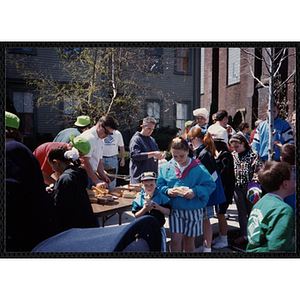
(233, 229)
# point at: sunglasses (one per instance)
(106, 131)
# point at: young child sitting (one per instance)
(150, 201)
(271, 225)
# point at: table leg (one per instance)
(120, 218)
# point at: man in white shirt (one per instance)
(218, 130)
(92, 162)
(110, 153)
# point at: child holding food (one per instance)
(72, 202)
(150, 201)
(186, 173)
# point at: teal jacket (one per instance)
(195, 176)
(159, 198)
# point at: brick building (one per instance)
(227, 82)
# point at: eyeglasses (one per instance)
(106, 131)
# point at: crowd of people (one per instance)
(210, 166)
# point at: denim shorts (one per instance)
(208, 212)
(188, 222)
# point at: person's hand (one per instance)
(122, 162)
(278, 144)
(148, 206)
(107, 180)
(163, 156)
(156, 206)
(189, 194)
(172, 193)
(157, 154)
(102, 184)
(49, 189)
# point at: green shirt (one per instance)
(271, 226)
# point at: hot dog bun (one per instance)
(180, 190)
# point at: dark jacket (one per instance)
(30, 212)
(206, 158)
(139, 145)
(226, 171)
(72, 202)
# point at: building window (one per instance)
(202, 71)
(182, 61)
(23, 102)
(70, 106)
(30, 51)
(181, 116)
(153, 110)
(154, 59)
(234, 63)
(70, 52)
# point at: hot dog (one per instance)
(180, 190)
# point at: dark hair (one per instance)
(240, 139)
(13, 133)
(243, 125)
(58, 153)
(221, 145)
(221, 114)
(206, 137)
(273, 173)
(108, 121)
(179, 143)
(288, 153)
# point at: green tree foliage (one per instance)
(94, 82)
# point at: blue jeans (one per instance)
(113, 162)
(90, 183)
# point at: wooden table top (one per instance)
(119, 205)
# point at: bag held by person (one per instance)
(254, 192)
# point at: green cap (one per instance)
(12, 120)
(187, 123)
(83, 121)
(81, 144)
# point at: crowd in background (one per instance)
(211, 165)
(247, 153)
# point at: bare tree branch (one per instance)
(252, 54)
(280, 62)
(252, 73)
(93, 76)
(113, 84)
(284, 82)
(267, 64)
(280, 53)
